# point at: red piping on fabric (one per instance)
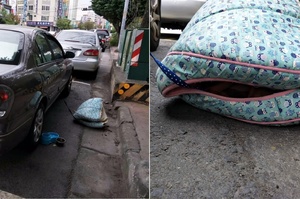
(234, 62)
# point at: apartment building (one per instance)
(72, 11)
(39, 13)
(100, 21)
(44, 13)
(4, 4)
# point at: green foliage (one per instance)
(113, 30)
(136, 23)
(89, 25)
(63, 24)
(112, 10)
(114, 40)
(8, 18)
(86, 25)
(81, 26)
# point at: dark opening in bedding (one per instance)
(234, 90)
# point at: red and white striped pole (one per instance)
(137, 47)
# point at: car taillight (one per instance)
(6, 99)
(91, 52)
(4, 96)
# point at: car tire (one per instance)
(67, 89)
(155, 24)
(35, 132)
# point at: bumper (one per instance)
(11, 139)
(186, 8)
(86, 65)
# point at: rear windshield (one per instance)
(82, 37)
(11, 44)
(102, 32)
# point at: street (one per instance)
(198, 154)
(49, 170)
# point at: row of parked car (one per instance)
(35, 69)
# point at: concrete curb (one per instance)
(135, 171)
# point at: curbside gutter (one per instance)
(135, 170)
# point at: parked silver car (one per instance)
(34, 71)
(85, 44)
(174, 14)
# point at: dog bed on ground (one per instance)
(240, 59)
(91, 113)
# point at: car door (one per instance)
(58, 56)
(47, 67)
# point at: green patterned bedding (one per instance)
(241, 59)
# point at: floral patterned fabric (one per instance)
(254, 42)
(91, 113)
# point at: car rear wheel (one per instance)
(155, 25)
(35, 132)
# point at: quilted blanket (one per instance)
(91, 113)
(240, 59)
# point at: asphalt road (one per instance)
(47, 172)
(198, 154)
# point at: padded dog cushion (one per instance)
(247, 46)
(91, 113)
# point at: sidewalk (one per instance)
(124, 144)
(133, 118)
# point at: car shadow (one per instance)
(83, 75)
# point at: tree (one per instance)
(63, 23)
(88, 25)
(1, 19)
(145, 21)
(112, 10)
(8, 18)
(80, 26)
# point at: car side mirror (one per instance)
(70, 54)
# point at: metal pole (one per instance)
(24, 13)
(123, 23)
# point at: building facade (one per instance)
(72, 12)
(39, 13)
(45, 13)
(4, 4)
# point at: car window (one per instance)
(37, 55)
(11, 47)
(57, 51)
(82, 37)
(44, 48)
(102, 32)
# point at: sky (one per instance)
(82, 4)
